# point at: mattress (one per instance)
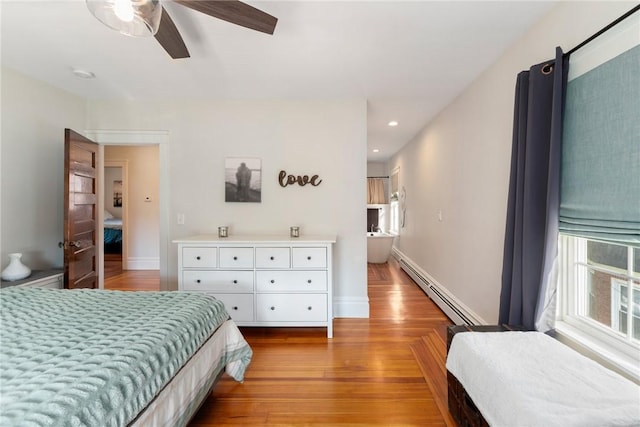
(113, 223)
(226, 351)
(90, 357)
(531, 379)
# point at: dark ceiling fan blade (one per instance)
(169, 37)
(234, 11)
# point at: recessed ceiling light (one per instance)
(83, 74)
(393, 123)
(375, 150)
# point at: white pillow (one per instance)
(107, 214)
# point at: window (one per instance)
(597, 283)
(620, 322)
(394, 214)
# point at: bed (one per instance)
(112, 234)
(110, 358)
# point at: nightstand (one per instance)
(51, 278)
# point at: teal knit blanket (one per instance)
(94, 358)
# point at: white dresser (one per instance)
(263, 280)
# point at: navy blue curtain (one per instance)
(531, 233)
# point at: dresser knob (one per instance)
(309, 308)
(197, 280)
(198, 258)
(309, 258)
(273, 281)
(235, 281)
(309, 281)
(235, 308)
(271, 258)
(235, 258)
(273, 308)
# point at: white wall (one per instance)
(34, 116)
(377, 169)
(327, 138)
(459, 164)
(143, 217)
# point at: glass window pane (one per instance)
(606, 301)
(597, 301)
(636, 262)
(607, 254)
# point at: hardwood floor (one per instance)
(366, 375)
(116, 279)
(387, 370)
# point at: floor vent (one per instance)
(449, 307)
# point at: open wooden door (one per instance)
(81, 213)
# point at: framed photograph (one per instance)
(117, 194)
(243, 180)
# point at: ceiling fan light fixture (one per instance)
(136, 18)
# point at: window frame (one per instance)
(394, 217)
(621, 351)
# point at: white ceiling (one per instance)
(408, 59)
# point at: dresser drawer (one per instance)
(273, 257)
(236, 257)
(193, 257)
(217, 281)
(291, 281)
(239, 306)
(291, 307)
(309, 258)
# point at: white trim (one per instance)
(625, 364)
(353, 307)
(448, 303)
(143, 263)
(128, 137)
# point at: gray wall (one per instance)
(327, 138)
(34, 116)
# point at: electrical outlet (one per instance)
(180, 219)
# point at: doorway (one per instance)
(131, 208)
(159, 139)
(115, 198)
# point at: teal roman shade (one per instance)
(600, 172)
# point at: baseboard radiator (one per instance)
(448, 304)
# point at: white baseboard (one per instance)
(448, 303)
(353, 307)
(143, 263)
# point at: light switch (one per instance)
(180, 219)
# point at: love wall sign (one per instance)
(286, 179)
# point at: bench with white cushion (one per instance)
(531, 379)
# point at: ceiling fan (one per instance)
(148, 17)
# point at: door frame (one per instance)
(124, 166)
(137, 137)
